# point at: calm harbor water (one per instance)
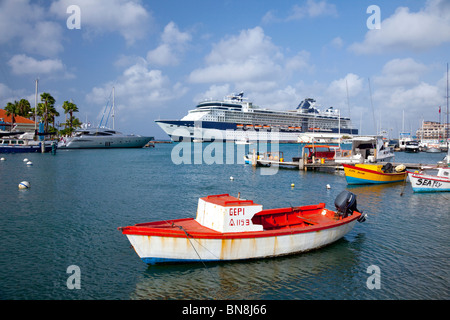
(78, 199)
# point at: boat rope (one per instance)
(188, 236)
(403, 187)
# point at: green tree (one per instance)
(12, 110)
(70, 108)
(47, 107)
(24, 108)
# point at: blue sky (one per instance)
(163, 57)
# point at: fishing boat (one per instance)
(374, 173)
(366, 149)
(319, 152)
(230, 228)
(422, 182)
(264, 159)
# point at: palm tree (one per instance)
(12, 110)
(24, 108)
(70, 108)
(48, 103)
(52, 114)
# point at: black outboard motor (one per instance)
(345, 204)
(387, 168)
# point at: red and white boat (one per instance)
(229, 228)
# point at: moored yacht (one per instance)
(102, 138)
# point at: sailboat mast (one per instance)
(113, 107)
(447, 124)
(35, 107)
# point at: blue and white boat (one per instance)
(235, 119)
(430, 183)
(20, 145)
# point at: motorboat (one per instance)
(102, 138)
(412, 146)
(366, 149)
(433, 148)
(374, 173)
(319, 152)
(23, 144)
(423, 182)
(230, 228)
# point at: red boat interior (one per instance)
(272, 220)
(296, 217)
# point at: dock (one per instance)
(330, 165)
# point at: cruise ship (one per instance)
(236, 119)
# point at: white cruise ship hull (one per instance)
(179, 130)
(234, 119)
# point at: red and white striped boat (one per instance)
(229, 228)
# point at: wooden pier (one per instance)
(330, 165)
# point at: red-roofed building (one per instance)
(23, 124)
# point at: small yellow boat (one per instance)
(374, 173)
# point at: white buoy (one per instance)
(24, 185)
(231, 178)
(29, 163)
(25, 160)
(328, 186)
(2, 159)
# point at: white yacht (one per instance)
(101, 138)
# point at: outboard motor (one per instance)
(345, 204)
(387, 168)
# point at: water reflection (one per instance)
(289, 277)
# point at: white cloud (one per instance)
(351, 82)
(401, 72)
(337, 43)
(405, 30)
(312, 9)
(173, 44)
(46, 39)
(138, 88)
(22, 64)
(251, 55)
(25, 22)
(213, 92)
(127, 17)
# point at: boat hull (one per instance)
(181, 130)
(104, 142)
(153, 249)
(428, 183)
(359, 175)
(24, 149)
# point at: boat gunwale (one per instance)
(178, 231)
(429, 177)
(349, 166)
